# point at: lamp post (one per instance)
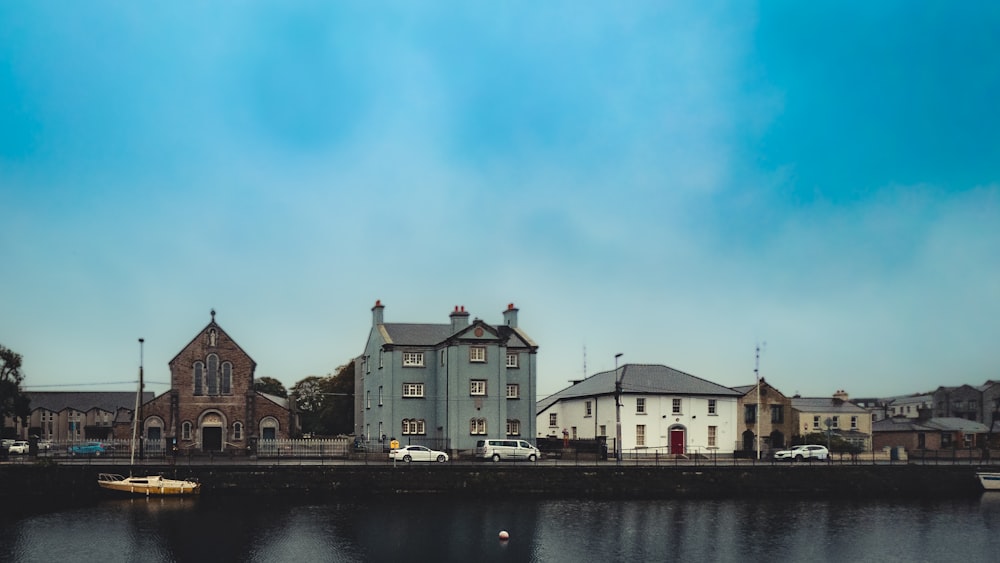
(618, 412)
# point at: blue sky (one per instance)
(676, 182)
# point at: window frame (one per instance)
(713, 407)
(413, 390)
(676, 406)
(477, 426)
(516, 388)
(515, 424)
(413, 359)
(477, 354)
(477, 387)
(512, 360)
(640, 405)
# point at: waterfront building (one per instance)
(836, 416)
(927, 432)
(445, 385)
(211, 405)
(767, 413)
(663, 411)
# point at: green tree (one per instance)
(12, 402)
(271, 386)
(326, 404)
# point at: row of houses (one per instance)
(452, 384)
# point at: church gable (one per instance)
(212, 365)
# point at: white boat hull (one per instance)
(148, 486)
(990, 481)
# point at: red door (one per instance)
(677, 441)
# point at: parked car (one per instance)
(44, 445)
(89, 448)
(417, 453)
(19, 447)
(515, 450)
(806, 452)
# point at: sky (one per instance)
(810, 190)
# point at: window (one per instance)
(640, 435)
(237, 431)
(777, 414)
(511, 360)
(368, 399)
(816, 422)
(553, 420)
(972, 405)
(413, 389)
(604, 430)
(750, 413)
(572, 432)
(712, 407)
(477, 354)
(676, 409)
(477, 426)
(441, 356)
(854, 423)
(513, 391)
(368, 365)
(380, 395)
(227, 378)
(477, 387)
(199, 371)
(588, 409)
(186, 431)
(413, 426)
(835, 422)
(640, 405)
(381, 352)
(212, 384)
(513, 427)
(712, 433)
(413, 359)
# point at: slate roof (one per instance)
(427, 334)
(83, 401)
(937, 424)
(825, 404)
(647, 379)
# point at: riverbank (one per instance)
(41, 482)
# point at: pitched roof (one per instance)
(416, 334)
(937, 424)
(83, 401)
(640, 378)
(824, 404)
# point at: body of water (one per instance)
(433, 528)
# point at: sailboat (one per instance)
(148, 485)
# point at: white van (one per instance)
(515, 450)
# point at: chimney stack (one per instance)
(377, 312)
(459, 319)
(510, 316)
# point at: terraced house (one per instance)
(445, 385)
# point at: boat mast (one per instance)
(136, 413)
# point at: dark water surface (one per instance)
(445, 529)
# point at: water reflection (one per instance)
(446, 529)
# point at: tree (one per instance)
(271, 386)
(12, 402)
(326, 404)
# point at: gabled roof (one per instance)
(431, 335)
(640, 378)
(937, 424)
(84, 401)
(280, 401)
(825, 404)
(415, 334)
(220, 332)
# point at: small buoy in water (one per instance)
(504, 535)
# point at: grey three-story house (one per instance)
(445, 385)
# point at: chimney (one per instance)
(459, 319)
(510, 316)
(840, 395)
(377, 313)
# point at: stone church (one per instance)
(211, 405)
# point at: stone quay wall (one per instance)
(26, 482)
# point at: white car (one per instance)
(417, 453)
(800, 453)
(19, 447)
